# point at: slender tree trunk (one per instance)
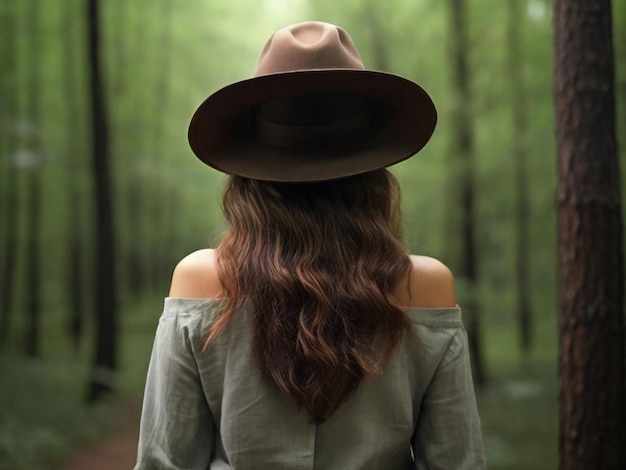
(8, 258)
(520, 132)
(105, 360)
(592, 357)
(136, 252)
(75, 275)
(9, 248)
(32, 332)
(464, 148)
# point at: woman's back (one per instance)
(421, 397)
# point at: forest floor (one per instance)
(116, 451)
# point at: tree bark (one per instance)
(464, 156)
(105, 360)
(592, 345)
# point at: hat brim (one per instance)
(221, 132)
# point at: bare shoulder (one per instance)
(195, 276)
(431, 283)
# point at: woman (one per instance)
(309, 338)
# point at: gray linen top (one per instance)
(214, 410)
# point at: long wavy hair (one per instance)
(318, 264)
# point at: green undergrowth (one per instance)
(43, 414)
(518, 410)
(519, 403)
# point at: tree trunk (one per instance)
(464, 155)
(8, 258)
(520, 133)
(592, 345)
(106, 294)
(75, 275)
(32, 332)
(136, 252)
(9, 254)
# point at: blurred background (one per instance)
(88, 244)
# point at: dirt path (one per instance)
(118, 451)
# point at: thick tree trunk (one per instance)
(592, 359)
(464, 155)
(106, 294)
(520, 130)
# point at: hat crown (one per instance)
(312, 112)
(310, 45)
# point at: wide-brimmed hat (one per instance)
(312, 112)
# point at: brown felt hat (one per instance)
(311, 112)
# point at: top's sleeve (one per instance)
(448, 433)
(177, 430)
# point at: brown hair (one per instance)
(318, 264)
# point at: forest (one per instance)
(100, 195)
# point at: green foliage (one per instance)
(42, 411)
(162, 59)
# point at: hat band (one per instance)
(289, 136)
